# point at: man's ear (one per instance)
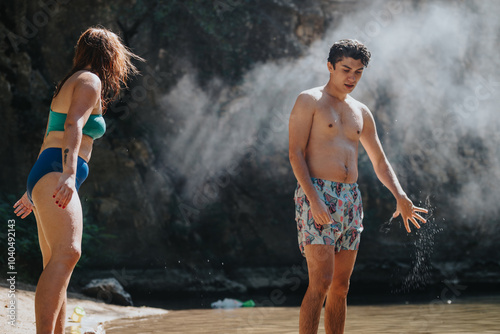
(330, 66)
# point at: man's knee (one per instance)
(340, 288)
(320, 282)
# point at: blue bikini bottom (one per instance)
(50, 160)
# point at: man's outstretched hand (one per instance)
(408, 211)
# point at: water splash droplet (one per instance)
(386, 227)
(422, 247)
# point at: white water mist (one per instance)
(431, 84)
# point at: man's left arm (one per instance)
(370, 141)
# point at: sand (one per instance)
(96, 311)
(470, 315)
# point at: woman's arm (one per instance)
(85, 96)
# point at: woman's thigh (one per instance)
(44, 246)
(61, 228)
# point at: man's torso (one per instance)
(332, 148)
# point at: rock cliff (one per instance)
(140, 198)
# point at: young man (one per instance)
(326, 125)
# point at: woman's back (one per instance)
(61, 106)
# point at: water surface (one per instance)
(473, 316)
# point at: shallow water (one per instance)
(473, 316)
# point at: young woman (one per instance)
(100, 66)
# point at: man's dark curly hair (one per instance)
(349, 48)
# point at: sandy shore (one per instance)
(97, 311)
(471, 315)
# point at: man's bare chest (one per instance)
(334, 121)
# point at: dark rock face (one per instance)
(128, 193)
(138, 200)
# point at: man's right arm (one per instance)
(299, 130)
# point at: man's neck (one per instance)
(332, 91)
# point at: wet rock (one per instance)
(108, 290)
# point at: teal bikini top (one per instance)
(94, 128)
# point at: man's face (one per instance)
(346, 74)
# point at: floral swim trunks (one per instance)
(346, 208)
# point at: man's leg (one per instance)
(320, 265)
(336, 300)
